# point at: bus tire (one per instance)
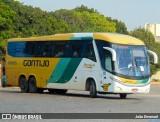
(32, 85)
(93, 92)
(23, 85)
(123, 95)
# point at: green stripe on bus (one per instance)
(143, 81)
(59, 70)
(70, 70)
(64, 70)
(82, 38)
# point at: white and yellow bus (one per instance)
(95, 62)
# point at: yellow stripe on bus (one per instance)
(58, 37)
(118, 38)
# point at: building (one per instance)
(155, 30)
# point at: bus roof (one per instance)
(110, 37)
(118, 38)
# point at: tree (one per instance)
(6, 24)
(84, 21)
(83, 8)
(120, 27)
(6, 21)
(94, 22)
(74, 22)
(31, 21)
(144, 35)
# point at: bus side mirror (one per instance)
(154, 56)
(112, 51)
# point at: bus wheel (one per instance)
(123, 96)
(32, 85)
(23, 85)
(93, 92)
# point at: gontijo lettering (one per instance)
(36, 63)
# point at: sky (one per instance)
(134, 13)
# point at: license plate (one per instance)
(134, 90)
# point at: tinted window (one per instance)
(107, 60)
(60, 49)
(12, 48)
(105, 56)
(88, 50)
(74, 49)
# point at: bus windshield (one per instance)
(132, 61)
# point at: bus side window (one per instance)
(108, 60)
(90, 51)
(68, 49)
(29, 49)
(12, 48)
(37, 49)
(60, 49)
(103, 57)
(76, 48)
(52, 49)
(45, 50)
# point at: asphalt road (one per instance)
(12, 100)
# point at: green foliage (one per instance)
(6, 22)
(34, 22)
(121, 27)
(6, 25)
(83, 8)
(84, 21)
(18, 20)
(154, 69)
(70, 18)
(94, 22)
(144, 35)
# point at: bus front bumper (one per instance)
(119, 88)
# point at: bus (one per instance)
(101, 63)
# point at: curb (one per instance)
(6, 87)
(155, 83)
